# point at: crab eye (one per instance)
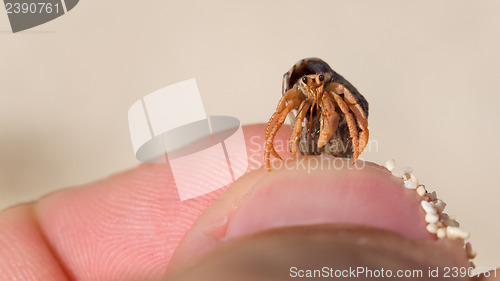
(321, 77)
(304, 79)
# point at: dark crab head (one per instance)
(311, 68)
(312, 85)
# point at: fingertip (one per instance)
(126, 226)
(25, 253)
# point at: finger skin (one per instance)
(125, 227)
(24, 252)
(272, 253)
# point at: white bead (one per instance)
(390, 164)
(414, 179)
(441, 233)
(428, 207)
(407, 169)
(432, 228)
(410, 185)
(431, 218)
(455, 232)
(397, 172)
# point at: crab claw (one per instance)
(328, 121)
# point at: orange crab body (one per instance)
(329, 114)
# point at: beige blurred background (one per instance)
(430, 71)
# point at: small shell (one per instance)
(397, 172)
(432, 228)
(428, 207)
(408, 170)
(451, 222)
(413, 178)
(441, 232)
(431, 218)
(410, 185)
(432, 196)
(455, 232)
(471, 253)
(440, 205)
(421, 190)
(390, 164)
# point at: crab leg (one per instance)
(358, 112)
(329, 120)
(304, 106)
(351, 124)
(288, 96)
(270, 137)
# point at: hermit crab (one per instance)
(328, 113)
